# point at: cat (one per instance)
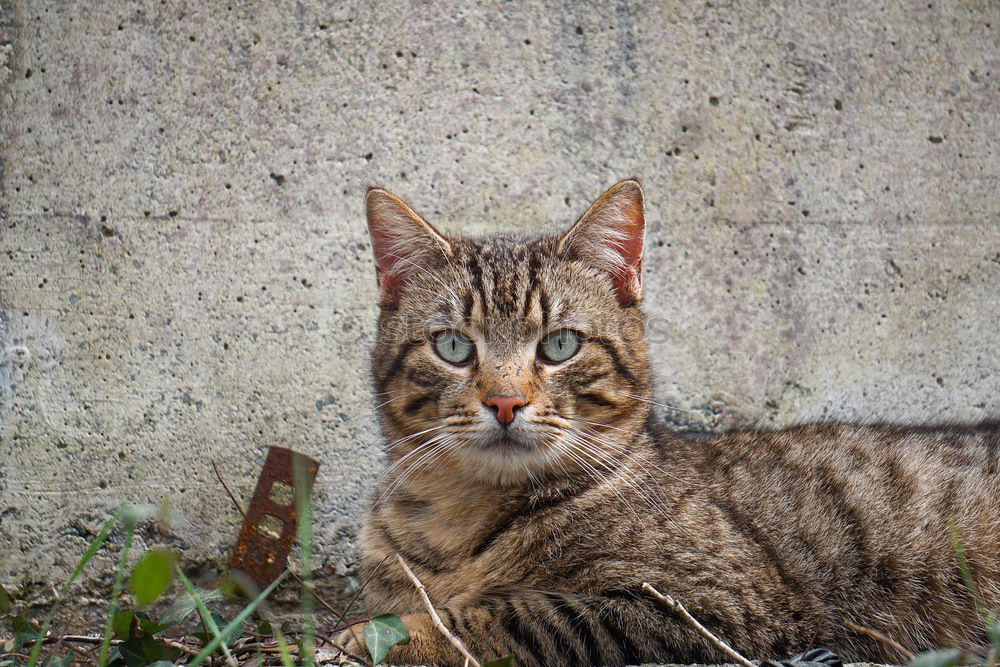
(532, 491)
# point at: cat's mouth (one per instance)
(508, 442)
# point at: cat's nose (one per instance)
(505, 407)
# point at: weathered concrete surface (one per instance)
(186, 276)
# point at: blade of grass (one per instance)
(129, 521)
(286, 656)
(304, 506)
(967, 578)
(206, 616)
(235, 623)
(82, 563)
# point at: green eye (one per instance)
(453, 347)
(559, 345)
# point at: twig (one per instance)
(236, 503)
(83, 639)
(178, 645)
(677, 607)
(350, 604)
(96, 640)
(885, 639)
(336, 645)
(455, 641)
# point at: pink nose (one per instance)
(505, 407)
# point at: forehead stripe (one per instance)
(534, 264)
(477, 279)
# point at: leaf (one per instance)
(141, 651)
(184, 605)
(220, 622)
(121, 624)
(382, 633)
(500, 662)
(24, 630)
(152, 575)
(146, 624)
(946, 658)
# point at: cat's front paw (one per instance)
(352, 640)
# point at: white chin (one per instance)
(507, 460)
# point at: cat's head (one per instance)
(507, 358)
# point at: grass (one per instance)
(87, 556)
(131, 638)
(129, 519)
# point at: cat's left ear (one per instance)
(610, 236)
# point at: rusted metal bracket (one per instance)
(269, 529)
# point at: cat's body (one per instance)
(532, 492)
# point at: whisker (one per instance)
(428, 448)
(450, 444)
(400, 441)
(625, 450)
(397, 465)
(616, 428)
(385, 403)
(576, 452)
(631, 479)
(646, 399)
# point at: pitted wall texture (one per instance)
(186, 275)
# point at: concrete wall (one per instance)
(186, 275)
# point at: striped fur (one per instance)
(535, 540)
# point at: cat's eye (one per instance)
(453, 347)
(559, 346)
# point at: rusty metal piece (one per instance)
(270, 526)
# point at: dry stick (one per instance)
(183, 648)
(677, 607)
(329, 607)
(83, 639)
(342, 649)
(885, 639)
(455, 641)
(90, 639)
(361, 590)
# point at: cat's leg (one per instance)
(551, 629)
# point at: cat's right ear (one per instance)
(402, 241)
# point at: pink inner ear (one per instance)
(628, 280)
(388, 281)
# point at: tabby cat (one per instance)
(532, 493)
